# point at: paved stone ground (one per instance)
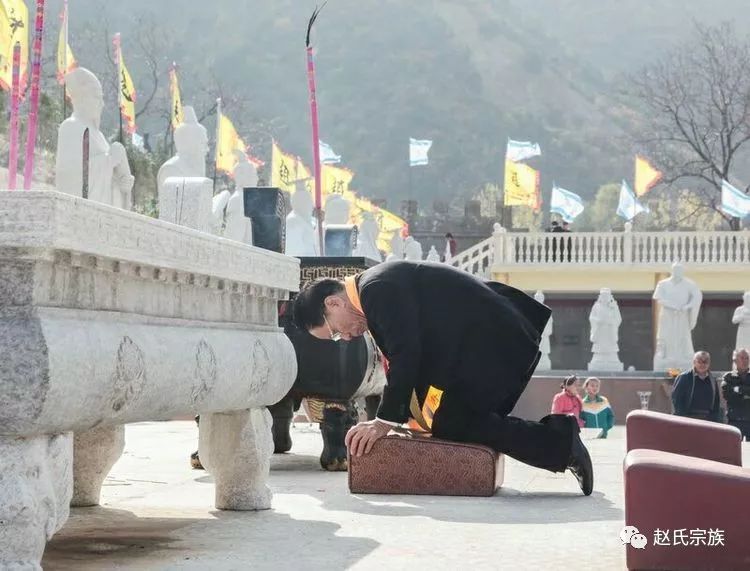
(157, 514)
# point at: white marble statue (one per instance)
(605, 320)
(337, 210)
(229, 207)
(544, 347)
(433, 256)
(109, 178)
(301, 238)
(680, 301)
(397, 248)
(367, 238)
(191, 144)
(741, 318)
(412, 249)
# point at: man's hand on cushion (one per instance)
(360, 438)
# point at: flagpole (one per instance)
(218, 140)
(315, 130)
(118, 56)
(15, 96)
(34, 102)
(65, 60)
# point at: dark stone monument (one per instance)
(266, 209)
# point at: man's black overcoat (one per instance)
(440, 326)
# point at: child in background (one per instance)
(567, 400)
(596, 410)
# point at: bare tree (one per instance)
(697, 110)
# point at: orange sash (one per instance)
(422, 417)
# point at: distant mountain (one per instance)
(466, 74)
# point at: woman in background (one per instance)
(567, 400)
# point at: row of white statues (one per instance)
(679, 301)
(185, 194)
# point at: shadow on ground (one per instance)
(104, 538)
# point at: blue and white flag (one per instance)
(138, 142)
(629, 207)
(734, 202)
(565, 203)
(327, 156)
(522, 150)
(418, 150)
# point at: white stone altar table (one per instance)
(109, 317)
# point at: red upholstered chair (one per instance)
(681, 435)
(689, 500)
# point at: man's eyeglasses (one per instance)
(335, 336)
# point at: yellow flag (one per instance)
(177, 116)
(286, 170)
(227, 144)
(127, 89)
(65, 59)
(521, 185)
(646, 176)
(336, 180)
(14, 27)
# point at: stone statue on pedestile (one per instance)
(109, 178)
(680, 302)
(433, 256)
(367, 238)
(544, 346)
(412, 249)
(229, 208)
(191, 144)
(741, 318)
(337, 210)
(605, 320)
(397, 248)
(301, 238)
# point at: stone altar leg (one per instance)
(236, 449)
(95, 452)
(36, 484)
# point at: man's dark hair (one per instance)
(309, 305)
(449, 235)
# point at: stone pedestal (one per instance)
(187, 202)
(605, 362)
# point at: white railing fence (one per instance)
(604, 248)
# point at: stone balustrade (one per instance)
(109, 317)
(505, 251)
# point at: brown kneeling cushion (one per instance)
(418, 464)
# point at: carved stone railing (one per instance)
(478, 259)
(512, 249)
(108, 317)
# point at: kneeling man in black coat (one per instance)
(477, 341)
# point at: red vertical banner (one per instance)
(36, 69)
(15, 96)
